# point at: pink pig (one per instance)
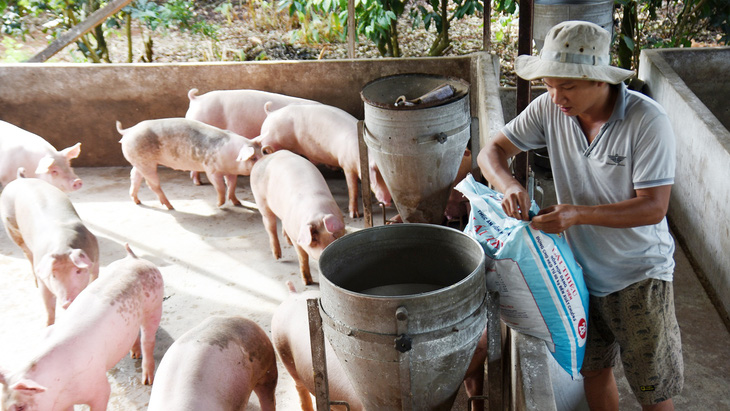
(21, 148)
(290, 334)
(101, 325)
(288, 186)
(325, 135)
(215, 366)
(185, 144)
(239, 111)
(63, 253)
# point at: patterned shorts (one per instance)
(637, 326)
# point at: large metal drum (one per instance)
(418, 148)
(403, 308)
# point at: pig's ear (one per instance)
(72, 152)
(306, 234)
(333, 224)
(28, 387)
(267, 107)
(44, 165)
(267, 149)
(79, 258)
(246, 153)
(44, 267)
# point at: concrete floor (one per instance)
(217, 261)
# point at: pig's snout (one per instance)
(77, 184)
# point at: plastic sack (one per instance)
(541, 286)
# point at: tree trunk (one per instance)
(627, 30)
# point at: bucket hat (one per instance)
(575, 50)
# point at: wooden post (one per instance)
(319, 359)
(351, 29)
(79, 30)
(521, 165)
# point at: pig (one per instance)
(118, 312)
(325, 135)
(215, 366)
(184, 144)
(457, 205)
(239, 111)
(63, 253)
(288, 186)
(21, 148)
(290, 334)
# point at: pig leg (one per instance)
(265, 389)
(219, 184)
(231, 180)
(136, 181)
(102, 392)
(153, 182)
(351, 179)
(147, 332)
(304, 265)
(270, 224)
(195, 176)
(136, 350)
(49, 300)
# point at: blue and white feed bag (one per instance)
(541, 286)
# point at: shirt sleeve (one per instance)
(654, 154)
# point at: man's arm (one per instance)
(492, 161)
(648, 207)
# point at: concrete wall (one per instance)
(66, 103)
(686, 82)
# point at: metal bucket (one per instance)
(417, 148)
(403, 307)
(548, 13)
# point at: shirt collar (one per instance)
(619, 108)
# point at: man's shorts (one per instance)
(637, 326)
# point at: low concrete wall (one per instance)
(68, 103)
(689, 84)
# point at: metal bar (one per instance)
(367, 201)
(79, 30)
(319, 359)
(494, 353)
(404, 360)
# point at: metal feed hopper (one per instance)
(417, 127)
(403, 307)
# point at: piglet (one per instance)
(21, 148)
(325, 135)
(239, 111)
(290, 334)
(215, 366)
(63, 253)
(184, 144)
(113, 314)
(288, 186)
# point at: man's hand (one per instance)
(516, 202)
(555, 219)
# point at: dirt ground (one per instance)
(214, 261)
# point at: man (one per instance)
(612, 157)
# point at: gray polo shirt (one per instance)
(635, 149)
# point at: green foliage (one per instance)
(13, 53)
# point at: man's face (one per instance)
(574, 97)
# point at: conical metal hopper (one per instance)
(403, 309)
(417, 146)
